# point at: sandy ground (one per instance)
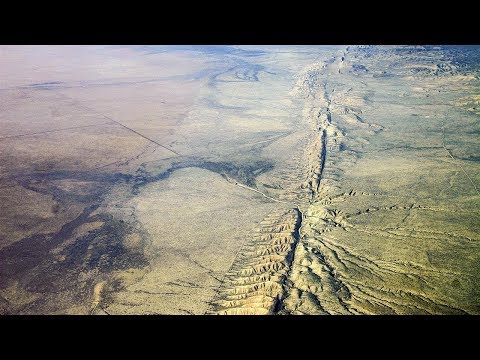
(239, 180)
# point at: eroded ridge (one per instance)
(329, 277)
(330, 110)
(271, 280)
(368, 166)
(255, 284)
(334, 269)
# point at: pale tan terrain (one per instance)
(380, 231)
(239, 180)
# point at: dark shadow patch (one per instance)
(245, 173)
(47, 83)
(72, 273)
(20, 258)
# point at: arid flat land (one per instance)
(239, 180)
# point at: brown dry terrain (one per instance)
(239, 180)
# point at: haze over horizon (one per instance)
(239, 180)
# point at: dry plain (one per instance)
(239, 180)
